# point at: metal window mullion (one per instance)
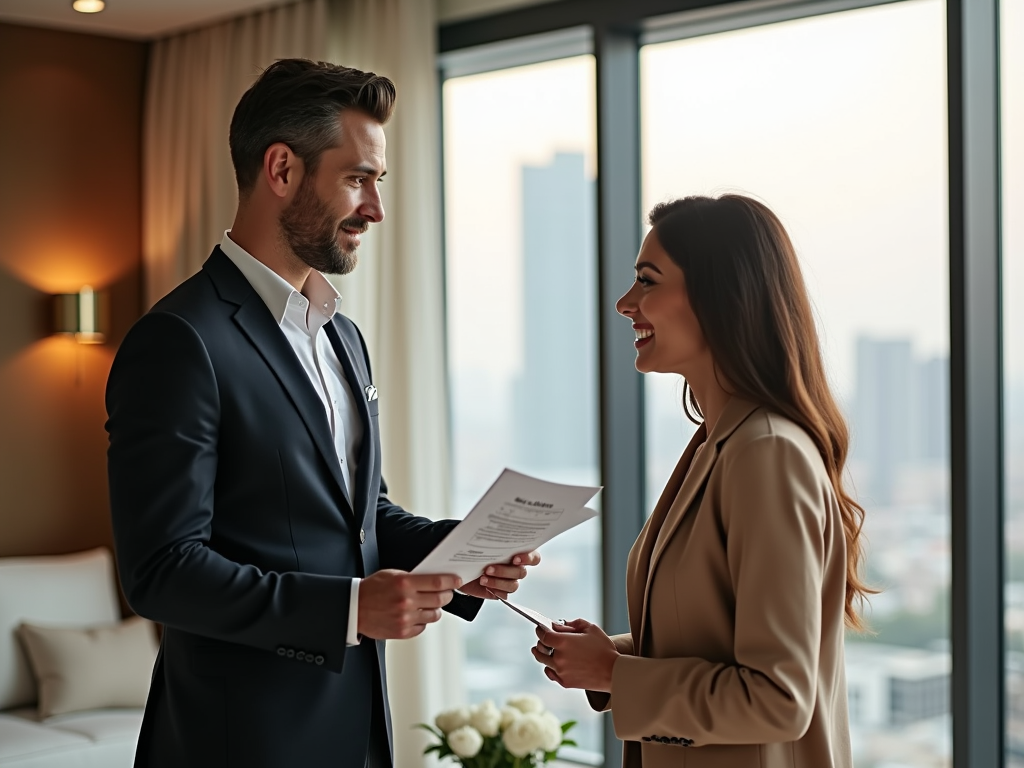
(622, 390)
(976, 460)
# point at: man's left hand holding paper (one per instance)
(501, 580)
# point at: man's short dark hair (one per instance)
(297, 102)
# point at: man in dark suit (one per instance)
(250, 516)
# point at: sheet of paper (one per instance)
(518, 513)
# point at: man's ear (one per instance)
(282, 169)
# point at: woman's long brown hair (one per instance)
(748, 294)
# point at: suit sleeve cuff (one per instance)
(352, 637)
(464, 606)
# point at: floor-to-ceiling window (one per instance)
(1012, 107)
(836, 114)
(522, 338)
(838, 123)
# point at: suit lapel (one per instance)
(735, 413)
(257, 323)
(358, 384)
(638, 579)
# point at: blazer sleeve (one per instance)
(601, 701)
(163, 420)
(404, 539)
(773, 509)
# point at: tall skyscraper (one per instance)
(882, 421)
(555, 402)
(900, 413)
(931, 412)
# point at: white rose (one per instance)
(486, 718)
(508, 716)
(527, 703)
(465, 741)
(525, 736)
(451, 719)
(552, 732)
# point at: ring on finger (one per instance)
(548, 649)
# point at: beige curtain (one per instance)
(395, 294)
(195, 79)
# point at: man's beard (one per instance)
(311, 232)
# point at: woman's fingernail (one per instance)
(517, 560)
(484, 581)
(490, 571)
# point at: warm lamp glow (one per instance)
(80, 314)
(88, 6)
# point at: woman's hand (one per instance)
(577, 655)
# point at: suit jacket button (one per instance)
(362, 536)
(281, 650)
(291, 653)
(645, 738)
(319, 660)
(300, 656)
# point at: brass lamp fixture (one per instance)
(81, 314)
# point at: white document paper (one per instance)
(518, 513)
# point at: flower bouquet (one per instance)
(522, 734)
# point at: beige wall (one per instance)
(70, 134)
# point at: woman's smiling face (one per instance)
(668, 336)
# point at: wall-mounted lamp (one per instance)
(88, 6)
(82, 314)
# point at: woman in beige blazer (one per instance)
(741, 582)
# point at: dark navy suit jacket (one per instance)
(232, 530)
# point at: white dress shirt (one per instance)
(301, 317)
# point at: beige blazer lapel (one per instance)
(637, 579)
(735, 413)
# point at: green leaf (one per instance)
(432, 730)
(568, 743)
(567, 725)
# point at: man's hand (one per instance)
(501, 580)
(395, 605)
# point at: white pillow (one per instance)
(66, 590)
(91, 668)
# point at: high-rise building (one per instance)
(882, 419)
(900, 414)
(555, 406)
(931, 412)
